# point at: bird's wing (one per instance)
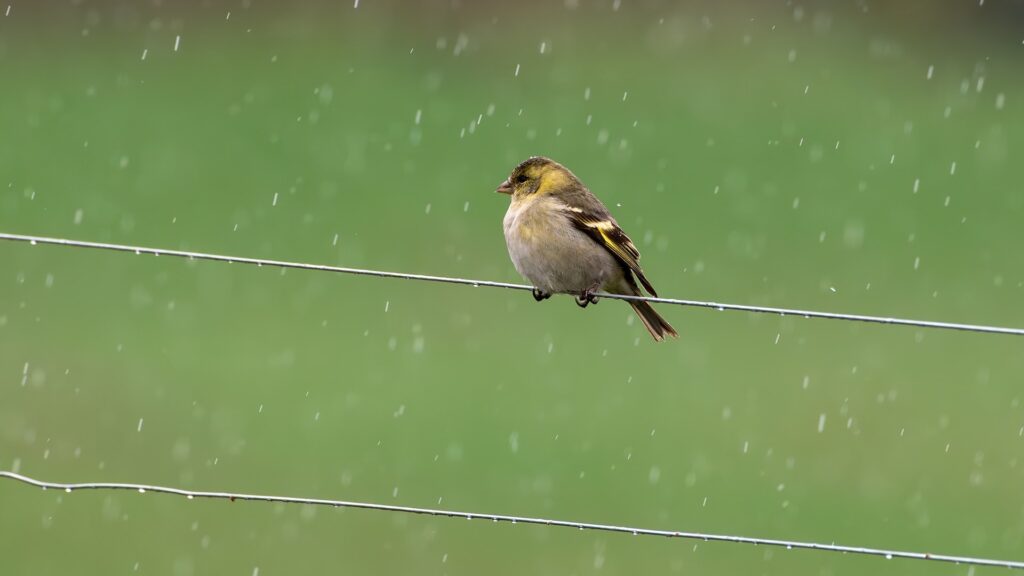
(600, 226)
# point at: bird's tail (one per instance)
(656, 325)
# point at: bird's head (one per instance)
(536, 175)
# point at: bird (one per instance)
(563, 240)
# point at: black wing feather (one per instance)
(599, 225)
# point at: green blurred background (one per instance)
(851, 157)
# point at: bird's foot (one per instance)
(586, 297)
(539, 294)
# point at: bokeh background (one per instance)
(856, 157)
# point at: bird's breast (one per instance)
(527, 220)
(548, 250)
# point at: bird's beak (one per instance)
(505, 188)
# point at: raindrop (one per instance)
(144, 52)
(931, 70)
(142, 490)
(68, 490)
(177, 42)
(654, 475)
(1000, 101)
(517, 70)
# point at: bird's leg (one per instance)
(539, 294)
(586, 297)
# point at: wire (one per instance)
(491, 284)
(788, 544)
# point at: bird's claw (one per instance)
(539, 294)
(586, 297)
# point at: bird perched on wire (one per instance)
(563, 240)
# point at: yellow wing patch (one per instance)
(621, 246)
(614, 240)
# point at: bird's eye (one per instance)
(521, 178)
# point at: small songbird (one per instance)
(563, 240)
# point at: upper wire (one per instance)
(492, 284)
(699, 536)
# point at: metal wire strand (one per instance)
(491, 284)
(788, 544)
